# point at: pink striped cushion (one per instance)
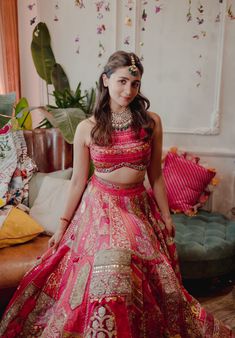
(185, 181)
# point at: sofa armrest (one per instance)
(16, 260)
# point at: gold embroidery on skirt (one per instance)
(102, 323)
(37, 319)
(55, 326)
(112, 256)
(80, 286)
(119, 236)
(111, 273)
(72, 335)
(14, 309)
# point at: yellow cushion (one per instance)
(18, 227)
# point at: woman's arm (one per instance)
(155, 174)
(81, 164)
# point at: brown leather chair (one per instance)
(50, 152)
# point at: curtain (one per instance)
(9, 48)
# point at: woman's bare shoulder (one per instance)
(83, 131)
(92, 120)
(154, 116)
(158, 122)
(86, 124)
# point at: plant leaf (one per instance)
(59, 78)
(90, 102)
(44, 124)
(42, 53)
(78, 90)
(66, 119)
(22, 114)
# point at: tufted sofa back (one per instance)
(48, 149)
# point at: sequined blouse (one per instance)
(128, 149)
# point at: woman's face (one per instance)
(123, 88)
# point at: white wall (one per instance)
(189, 68)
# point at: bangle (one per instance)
(64, 219)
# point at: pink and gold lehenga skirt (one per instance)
(115, 274)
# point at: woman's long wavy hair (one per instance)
(102, 131)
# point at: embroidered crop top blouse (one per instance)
(128, 149)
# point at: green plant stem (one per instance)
(47, 94)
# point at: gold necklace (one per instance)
(121, 120)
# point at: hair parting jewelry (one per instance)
(133, 68)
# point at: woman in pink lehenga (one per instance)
(111, 269)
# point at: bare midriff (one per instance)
(123, 177)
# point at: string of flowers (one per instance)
(102, 8)
(128, 22)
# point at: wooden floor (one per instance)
(223, 307)
(217, 296)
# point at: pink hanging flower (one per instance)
(101, 29)
(30, 6)
(144, 15)
(157, 9)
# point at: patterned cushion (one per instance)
(16, 167)
(8, 161)
(186, 181)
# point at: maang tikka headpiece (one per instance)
(133, 68)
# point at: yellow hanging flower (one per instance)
(128, 21)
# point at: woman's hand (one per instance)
(54, 241)
(169, 225)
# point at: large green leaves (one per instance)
(59, 78)
(22, 114)
(66, 119)
(89, 101)
(42, 53)
(78, 99)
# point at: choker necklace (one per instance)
(121, 120)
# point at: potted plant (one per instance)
(70, 106)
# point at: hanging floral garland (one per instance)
(30, 7)
(102, 9)
(201, 33)
(199, 17)
(57, 7)
(80, 5)
(230, 13)
(144, 18)
(128, 22)
(156, 8)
